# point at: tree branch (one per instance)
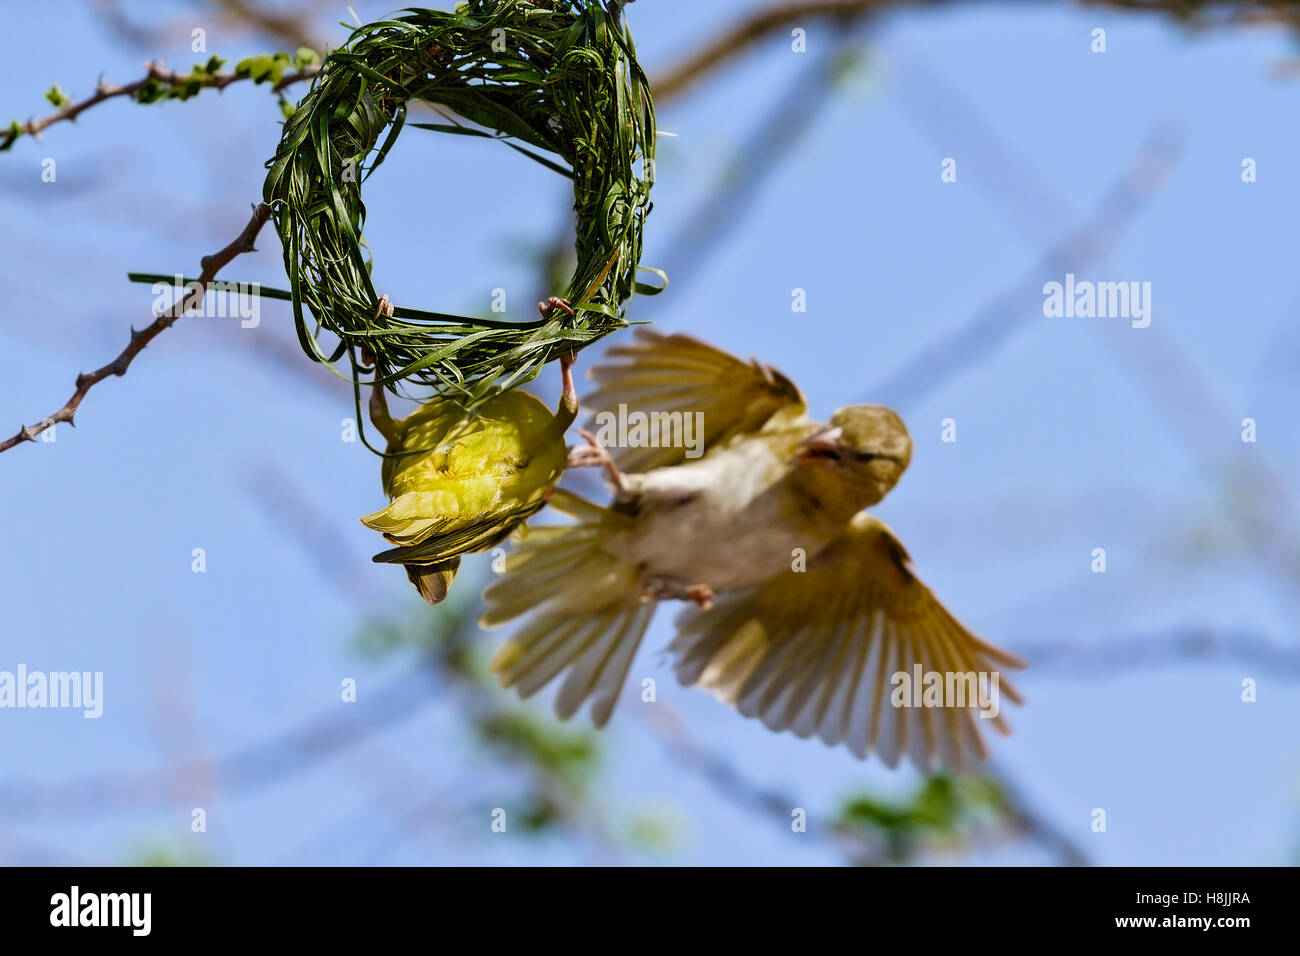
(1085, 660)
(756, 26)
(743, 34)
(154, 73)
(211, 265)
(288, 27)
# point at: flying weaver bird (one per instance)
(811, 651)
(462, 482)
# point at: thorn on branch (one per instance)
(156, 74)
(141, 337)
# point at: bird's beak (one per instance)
(820, 449)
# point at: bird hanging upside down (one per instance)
(462, 482)
(803, 608)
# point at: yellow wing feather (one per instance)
(816, 652)
(661, 374)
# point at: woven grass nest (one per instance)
(559, 82)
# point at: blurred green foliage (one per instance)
(943, 812)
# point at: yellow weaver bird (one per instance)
(482, 475)
(813, 649)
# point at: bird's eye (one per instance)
(866, 456)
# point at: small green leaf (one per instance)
(14, 131)
(266, 67)
(57, 97)
(305, 57)
(150, 92)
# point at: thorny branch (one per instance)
(154, 73)
(211, 265)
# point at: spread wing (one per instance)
(817, 652)
(676, 374)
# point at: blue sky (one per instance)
(1072, 433)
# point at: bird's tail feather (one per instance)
(433, 580)
(585, 611)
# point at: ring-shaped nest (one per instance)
(558, 78)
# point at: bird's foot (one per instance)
(566, 379)
(379, 414)
(668, 589)
(594, 455)
(554, 302)
(584, 456)
(701, 594)
(385, 306)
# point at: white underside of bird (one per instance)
(717, 521)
